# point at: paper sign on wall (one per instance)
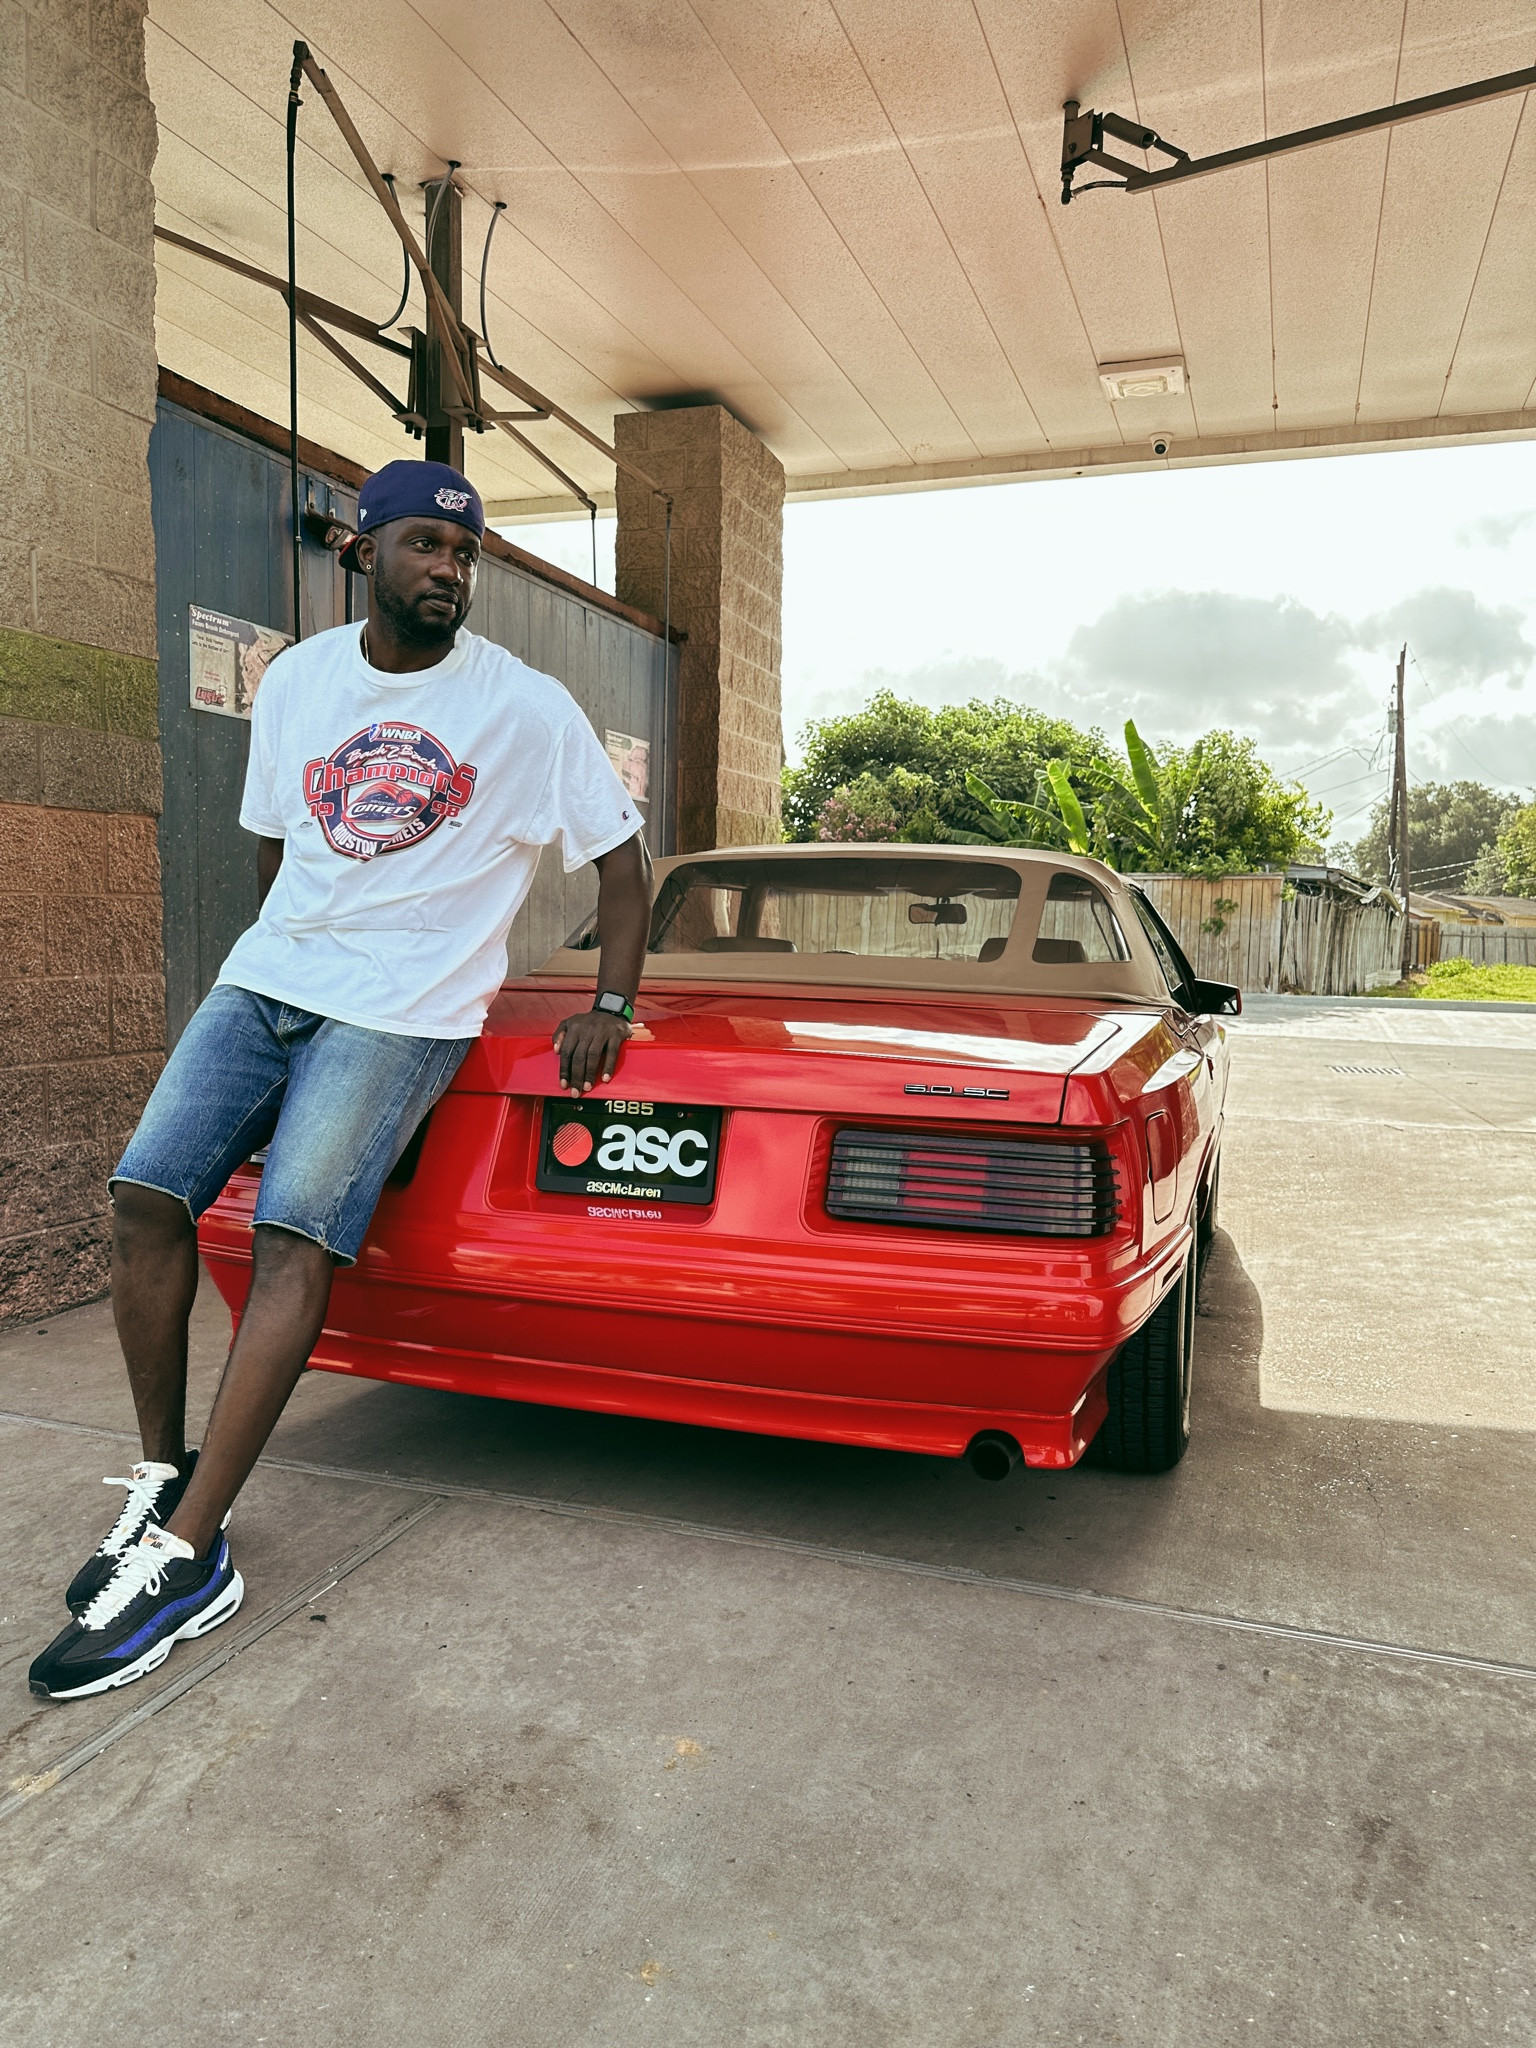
(228, 658)
(631, 759)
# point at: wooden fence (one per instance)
(1490, 945)
(1246, 929)
(1337, 946)
(1229, 928)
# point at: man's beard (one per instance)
(418, 628)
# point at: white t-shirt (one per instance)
(412, 810)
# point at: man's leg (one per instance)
(353, 1099)
(154, 1283)
(215, 1103)
(350, 1100)
(283, 1316)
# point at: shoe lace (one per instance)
(140, 1570)
(137, 1509)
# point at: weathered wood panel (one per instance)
(1490, 945)
(1338, 948)
(1229, 927)
(1246, 929)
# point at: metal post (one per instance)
(445, 255)
(300, 53)
(1399, 817)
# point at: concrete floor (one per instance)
(610, 1732)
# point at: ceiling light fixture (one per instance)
(1154, 377)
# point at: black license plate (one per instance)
(642, 1151)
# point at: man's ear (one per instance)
(365, 553)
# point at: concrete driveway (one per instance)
(549, 1729)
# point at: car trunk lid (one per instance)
(1006, 1060)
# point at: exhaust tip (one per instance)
(993, 1454)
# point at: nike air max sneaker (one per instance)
(153, 1494)
(159, 1594)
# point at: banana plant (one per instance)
(1007, 821)
(1165, 794)
(1136, 824)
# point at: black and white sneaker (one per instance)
(154, 1493)
(160, 1593)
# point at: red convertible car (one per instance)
(912, 1146)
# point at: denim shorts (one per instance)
(335, 1106)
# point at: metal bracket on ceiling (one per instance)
(460, 344)
(1082, 142)
(1082, 137)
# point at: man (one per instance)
(402, 780)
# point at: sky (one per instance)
(1268, 597)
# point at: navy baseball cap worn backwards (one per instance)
(415, 490)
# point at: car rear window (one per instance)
(920, 909)
(1077, 926)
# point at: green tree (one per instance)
(1508, 866)
(898, 769)
(1211, 809)
(1242, 816)
(1450, 825)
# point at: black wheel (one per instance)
(1147, 1427)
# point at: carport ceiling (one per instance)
(840, 218)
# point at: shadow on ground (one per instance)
(1366, 1527)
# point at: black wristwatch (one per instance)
(614, 1005)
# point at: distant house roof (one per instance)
(1310, 880)
(1452, 908)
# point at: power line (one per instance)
(1449, 724)
(1333, 788)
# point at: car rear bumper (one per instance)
(1052, 1404)
(755, 1315)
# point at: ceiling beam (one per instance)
(1044, 465)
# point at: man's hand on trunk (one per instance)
(588, 1045)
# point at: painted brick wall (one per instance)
(81, 985)
(727, 595)
(82, 1031)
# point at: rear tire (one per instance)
(1205, 1219)
(1147, 1427)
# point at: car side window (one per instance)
(1173, 964)
(1077, 926)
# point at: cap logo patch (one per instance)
(452, 501)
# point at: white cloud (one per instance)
(1496, 529)
(1182, 661)
(1450, 748)
(1457, 639)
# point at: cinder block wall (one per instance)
(81, 985)
(727, 596)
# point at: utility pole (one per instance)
(1397, 815)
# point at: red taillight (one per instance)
(1026, 1187)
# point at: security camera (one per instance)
(1161, 443)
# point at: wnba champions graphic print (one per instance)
(385, 788)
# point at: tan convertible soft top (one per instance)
(1012, 969)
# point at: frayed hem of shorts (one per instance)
(309, 1237)
(127, 1180)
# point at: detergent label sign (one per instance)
(228, 658)
(385, 789)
